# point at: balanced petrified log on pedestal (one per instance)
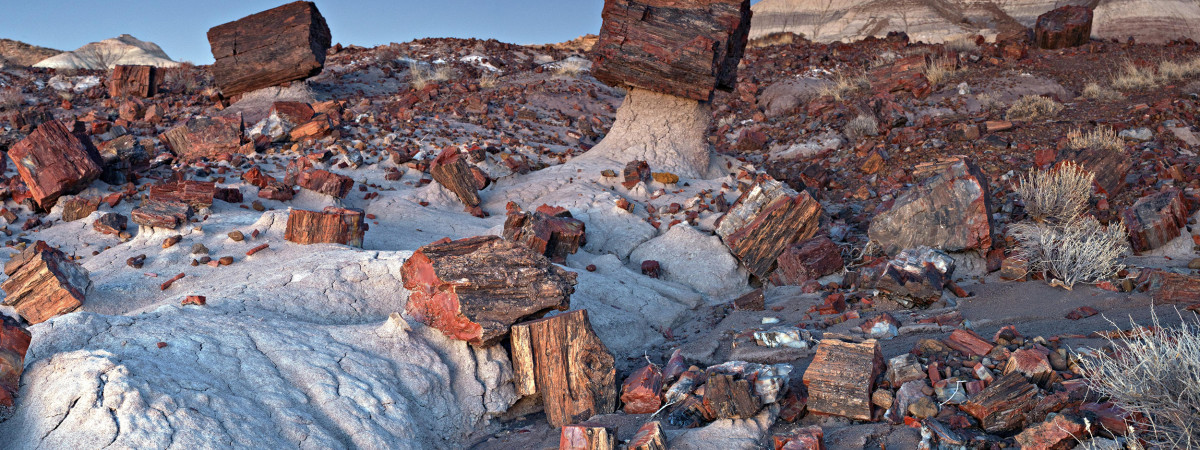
(14, 343)
(136, 81)
(561, 358)
(686, 49)
(553, 237)
(450, 169)
(767, 219)
(275, 46)
(474, 289)
(206, 137)
(44, 283)
(333, 225)
(53, 162)
(841, 377)
(587, 436)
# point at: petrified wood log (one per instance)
(333, 225)
(206, 137)
(1155, 220)
(1067, 26)
(450, 169)
(154, 213)
(968, 343)
(569, 366)
(275, 46)
(649, 437)
(641, 391)
(730, 397)
(136, 81)
(197, 194)
(1110, 167)
(1170, 287)
(53, 162)
(14, 343)
(1001, 406)
(841, 377)
(325, 182)
(552, 237)
(110, 223)
(44, 283)
(949, 210)
(78, 208)
(686, 49)
(586, 436)
(807, 260)
(474, 289)
(765, 221)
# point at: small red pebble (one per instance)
(591, 268)
(254, 233)
(256, 249)
(168, 283)
(162, 344)
(198, 300)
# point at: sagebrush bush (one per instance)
(962, 45)
(1154, 373)
(1101, 138)
(1094, 91)
(1179, 70)
(1132, 76)
(571, 67)
(420, 75)
(843, 85)
(939, 69)
(863, 125)
(1032, 107)
(1058, 195)
(1082, 251)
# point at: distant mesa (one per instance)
(18, 53)
(936, 21)
(109, 53)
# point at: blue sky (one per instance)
(179, 27)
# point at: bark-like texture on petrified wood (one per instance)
(325, 182)
(563, 359)
(682, 48)
(136, 81)
(1155, 220)
(474, 289)
(950, 209)
(765, 221)
(649, 437)
(275, 46)
(842, 376)
(550, 236)
(641, 391)
(154, 213)
(206, 137)
(333, 225)
(1068, 26)
(1001, 406)
(197, 194)
(450, 169)
(43, 283)
(53, 162)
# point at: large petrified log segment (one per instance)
(14, 342)
(553, 237)
(1170, 287)
(197, 194)
(135, 81)
(206, 137)
(686, 49)
(333, 225)
(949, 210)
(765, 221)
(275, 46)
(842, 376)
(570, 367)
(587, 436)
(160, 214)
(1001, 406)
(450, 169)
(1068, 26)
(649, 437)
(44, 283)
(474, 289)
(904, 75)
(53, 162)
(1155, 220)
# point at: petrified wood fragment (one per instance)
(1067, 26)
(136, 81)
(154, 213)
(44, 283)
(569, 365)
(272, 47)
(1155, 220)
(550, 236)
(1001, 406)
(842, 376)
(197, 194)
(640, 393)
(53, 162)
(333, 225)
(586, 436)
(451, 170)
(206, 137)
(325, 182)
(14, 343)
(767, 219)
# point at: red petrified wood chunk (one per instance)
(1155, 220)
(325, 182)
(78, 208)
(136, 81)
(842, 376)
(807, 438)
(154, 213)
(731, 397)
(904, 75)
(14, 342)
(685, 49)
(44, 283)
(294, 112)
(53, 162)
(272, 47)
(474, 289)
(553, 237)
(807, 260)
(333, 225)
(635, 172)
(451, 170)
(949, 210)
(649, 437)
(1067, 26)
(1001, 406)
(561, 358)
(197, 194)
(968, 343)
(110, 223)
(1170, 287)
(206, 137)
(586, 436)
(640, 392)
(767, 219)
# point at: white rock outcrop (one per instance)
(109, 53)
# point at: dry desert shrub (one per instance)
(1154, 373)
(1179, 70)
(1094, 91)
(1101, 138)
(1192, 88)
(843, 85)
(489, 80)
(187, 78)
(1032, 107)
(421, 74)
(863, 125)
(1132, 76)
(11, 98)
(962, 45)
(939, 69)
(1056, 196)
(571, 67)
(1082, 251)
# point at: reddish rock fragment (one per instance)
(550, 236)
(110, 223)
(314, 129)
(228, 195)
(651, 268)
(332, 225)
(167, 284)
(153, 213)
(808, 438)
(279, 45)
(1059, 432)
(1014, 268)
(587, 436)
(256, 177)
(968, 343)
(451, 171)
(1110, 167)
(14, 343)
(1032, 363)
(950, 210)
(1067, 26)
(807, 260)
(134, 81)
(764, 221)
(1170, 287)
(197, 194)
(78, 208)
(206, 137)
(474, 289)
(254, 250)
(751, 301)
(842, 376)
(53, 162)
(685, 49)
(325, 182)
(649, 437)
(640, 392)
(294, 112)
(1082, 312)
(198, 300)
(731, 397)
(43, 283)
(1001, 407)
(904, 75)
(1155, 220)
(635, 172)
(277, 191)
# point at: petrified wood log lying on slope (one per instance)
(53, 162)
(275, 46)
(474, 289)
